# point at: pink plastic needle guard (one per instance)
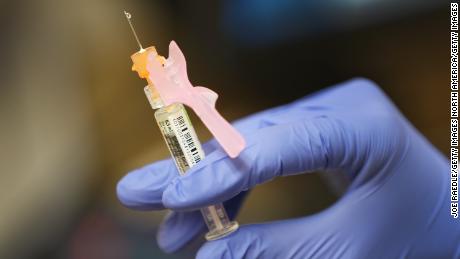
(172, 83)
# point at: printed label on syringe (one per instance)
(173, 145)
(187, 138)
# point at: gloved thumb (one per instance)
(271, 152)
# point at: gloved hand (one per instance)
(397, 205)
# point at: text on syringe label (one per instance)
(181, 140)
(187, 138)
(173, 145)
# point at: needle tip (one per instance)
(128, 17)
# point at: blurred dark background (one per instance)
(74, 118)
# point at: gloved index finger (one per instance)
(142, 189)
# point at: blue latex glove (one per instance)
(398, 203)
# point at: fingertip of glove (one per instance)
(178, 229)
(166, 243)
(167, 246)
(143, 188)
(120, 189)
(125, 194)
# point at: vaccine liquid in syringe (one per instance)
(183, 144)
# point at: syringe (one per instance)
(180, 138)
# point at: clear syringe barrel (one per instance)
(185, 148)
